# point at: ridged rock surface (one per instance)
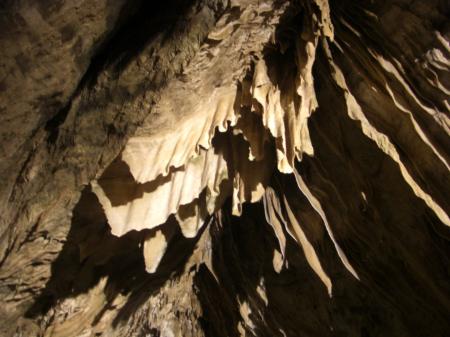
(225, 168)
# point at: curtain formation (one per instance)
(231, 136)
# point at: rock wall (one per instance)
(224, 168)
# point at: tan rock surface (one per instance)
(225, 168)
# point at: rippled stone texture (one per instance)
(224, 168)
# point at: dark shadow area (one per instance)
(364, 74)
(91, 253)
(237, 276)
(145, 21)
(295, 301)
(379, 222)
(127, 14)
(120, 187)
(373, 33)
(171, 266)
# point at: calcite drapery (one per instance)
(335, 117)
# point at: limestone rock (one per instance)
(224, 168)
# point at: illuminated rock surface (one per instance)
(225, 168)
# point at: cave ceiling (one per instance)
(225, 168)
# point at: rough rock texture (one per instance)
(225, 168)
